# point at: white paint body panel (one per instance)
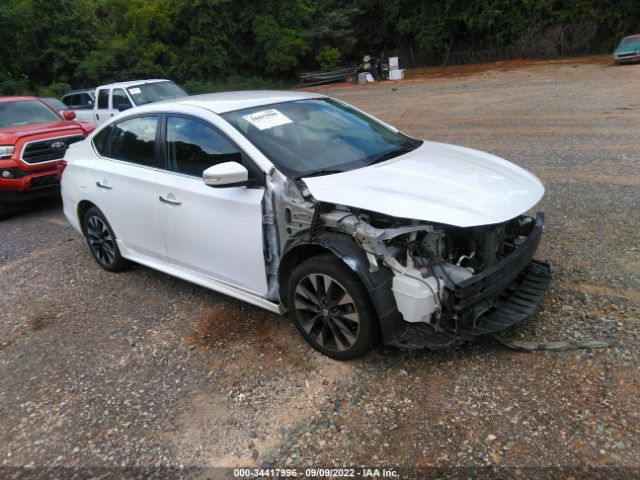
(85, 115)
(130, 205)
(436, 183)
(216, 232)
(214, 237)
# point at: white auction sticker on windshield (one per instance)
(267, 119)
(134, 91)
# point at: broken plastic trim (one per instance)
(522, 346)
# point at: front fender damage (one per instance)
(417, 274)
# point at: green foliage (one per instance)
(328, 58)
(235, 82)
(55, 90)
(221, 44)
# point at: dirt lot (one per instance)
(143, 370)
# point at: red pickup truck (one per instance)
(33, 140)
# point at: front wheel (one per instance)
(332, 309)
(102, 241)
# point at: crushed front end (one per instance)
(450, 283)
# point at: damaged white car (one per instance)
(299, 203)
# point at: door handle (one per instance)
(97, 117)
(103, 185)
(170, 200)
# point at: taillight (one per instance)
(62, 164)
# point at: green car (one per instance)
(628, 51)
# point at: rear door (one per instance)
(124, 184)
(215, 232)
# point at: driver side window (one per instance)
(119, 98)
(192, 146)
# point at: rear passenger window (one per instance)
(100, 141)
(134, 140)
(87, 101)
(67, 100)
(192, 146)
(103, 99)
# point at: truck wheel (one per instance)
(332, 309)
(102, 241)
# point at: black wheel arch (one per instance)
(378, 284)
(83, 207)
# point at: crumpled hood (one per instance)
(437, 183)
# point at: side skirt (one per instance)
(203, 281)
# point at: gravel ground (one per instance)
(140, 370)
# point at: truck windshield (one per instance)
(155, 92)
(25, 112)
(318, 137)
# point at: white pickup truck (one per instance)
(116, 97)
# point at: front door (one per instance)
(102, 110)
(215, 232)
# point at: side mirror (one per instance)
(227, 174)
(123, 106)
(68, 114)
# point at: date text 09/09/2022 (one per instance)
(315, 472)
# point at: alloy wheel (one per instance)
(327, 312)
(100, 240)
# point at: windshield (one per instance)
(630, 42)
(24, 112)
(54, 103)
(155, 92)
(307, 137)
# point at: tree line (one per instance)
(50, 46)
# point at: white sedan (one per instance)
(299, 203)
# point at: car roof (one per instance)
(14, 99)
(80, 90)
(635, 35)
(229, 101)
(133, 82)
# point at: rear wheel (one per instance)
(332, 309)
(102, 241)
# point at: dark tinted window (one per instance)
(134, 140)
(120, 98)
(67, 100)
(100, 141)
(193, 146)
(87, 101)
(103, 99)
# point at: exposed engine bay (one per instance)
(444, 277)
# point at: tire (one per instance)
(332, 309)
(102, 241)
